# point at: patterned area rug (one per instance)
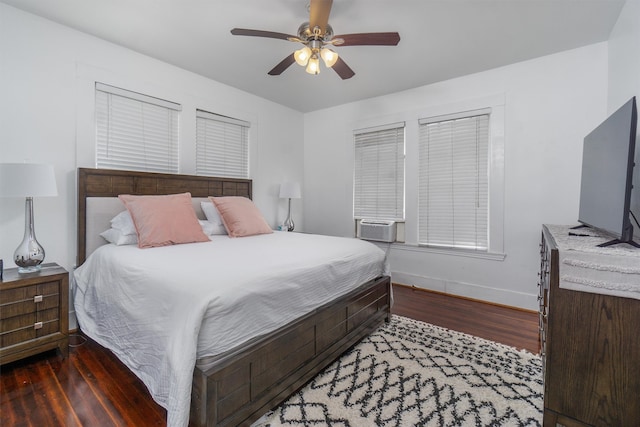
(410, 373)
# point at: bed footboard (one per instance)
(239, 389)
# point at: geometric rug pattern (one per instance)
(410, 373)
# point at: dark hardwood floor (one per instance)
(506, 325)
(92, 388)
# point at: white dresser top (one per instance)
(584, 266)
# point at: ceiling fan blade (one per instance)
(372, 39)
(260, 33)
(319, 11)
(343, 70)
(283, 65)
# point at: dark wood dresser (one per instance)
(34, 312)
(590, 346)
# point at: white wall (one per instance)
(47, 73)
(550, 104)
(624, 81)
(624, 56)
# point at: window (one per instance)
(379, 173)
(222, 146)
(453, 181)
(135, 131)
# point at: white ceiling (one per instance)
(440, 39)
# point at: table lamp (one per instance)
(289, 190)
(27, 180)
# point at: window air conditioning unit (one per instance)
(381, 231)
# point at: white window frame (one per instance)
(397, 213)
(222, 145)
(136, 131)
(496, 102)
(466, 218)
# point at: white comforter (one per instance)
(159, 309)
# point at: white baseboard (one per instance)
(469, 290)
(73, 322)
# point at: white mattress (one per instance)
(159, 309)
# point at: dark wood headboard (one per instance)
(111, 183)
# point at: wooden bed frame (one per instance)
(242, 385)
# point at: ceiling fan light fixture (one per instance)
(314, 65)
(329, 57)
(302, 56)
(316, 36)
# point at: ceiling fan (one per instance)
(317, 37)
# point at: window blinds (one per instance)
(135, 131)
(453, 187)
(379, 173)
(222, 146)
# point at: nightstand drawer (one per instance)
(29, 332)
(28, 319)
(17, 322)
(29, 299)
(29, 292)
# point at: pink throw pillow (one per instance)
(240, 216)
(164, 220)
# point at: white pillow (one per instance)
(211, 212)
(124, 223)
(214, 218)
(211, 229)
(117, 237)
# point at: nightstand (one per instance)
(34, 312)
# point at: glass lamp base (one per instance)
(288, 223)
(29, 254)
(31, 269)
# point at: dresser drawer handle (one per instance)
(37, 325)
(37, 298)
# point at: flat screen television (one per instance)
(607, 175)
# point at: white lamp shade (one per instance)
(329, 57)
(27, 180)
(313, 67)
(289, 190)
(302, 56)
